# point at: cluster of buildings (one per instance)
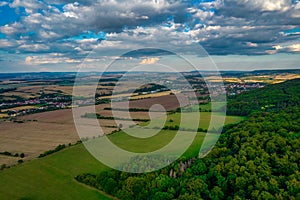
(237, 88)
(18, 108)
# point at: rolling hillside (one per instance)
(271, 98)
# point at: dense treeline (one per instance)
(98, 116)
(58, 148)
(130, 109)
(177, 128)
(258, 158)
(3, 90)
(6, 153)
(151, 87)
(270, 98)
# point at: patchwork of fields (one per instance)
(52, 177)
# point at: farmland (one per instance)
(56, 172)
(43, 131)
(189, 120)
(53, 176)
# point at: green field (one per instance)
(187, 120)
(52, 177)
(204, 107)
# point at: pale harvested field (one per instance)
(59, 117)
(21, 94)
(57, 127)
(80, 89)
(288, 76)
(232, 80)
(34, 138)
(69, 89)
(33, 89)
(3, 115)
(114, 96)
(271, 79)
(8, 160)
(8, 98)
(158, 94)
(19, 108)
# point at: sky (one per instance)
(64, 35)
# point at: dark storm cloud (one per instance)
(248, 27)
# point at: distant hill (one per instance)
(259, 72)
(270, 98)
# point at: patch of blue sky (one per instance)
(213, 10)
(60, 7)
(8, 15)
(187, 28)
(90, 35)
(189, 16)
(292, 31)
(169, 22)
(31, 33)
(2, 36)
(197, 2)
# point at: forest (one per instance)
(270, 98)
(258, 158)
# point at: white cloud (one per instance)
(149, 61)
(11, 29)
(277, 47)
(34, 47)
(49, 59)
(285, 48)
(265, 5)
(3, 3)
(250, 44)
(31, 6)
(4, 43)
(239, 26)
(294, 48)
(273, 5)
(108, 16)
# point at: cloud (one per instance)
(107, 16)
(285, 48)
(223, 27)
(3, 3)
(49, 59)
(34, 47)
(149, 61)
(244, 27)
(30, 6)
(294, 48)
(250, 44)
(7, 44)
